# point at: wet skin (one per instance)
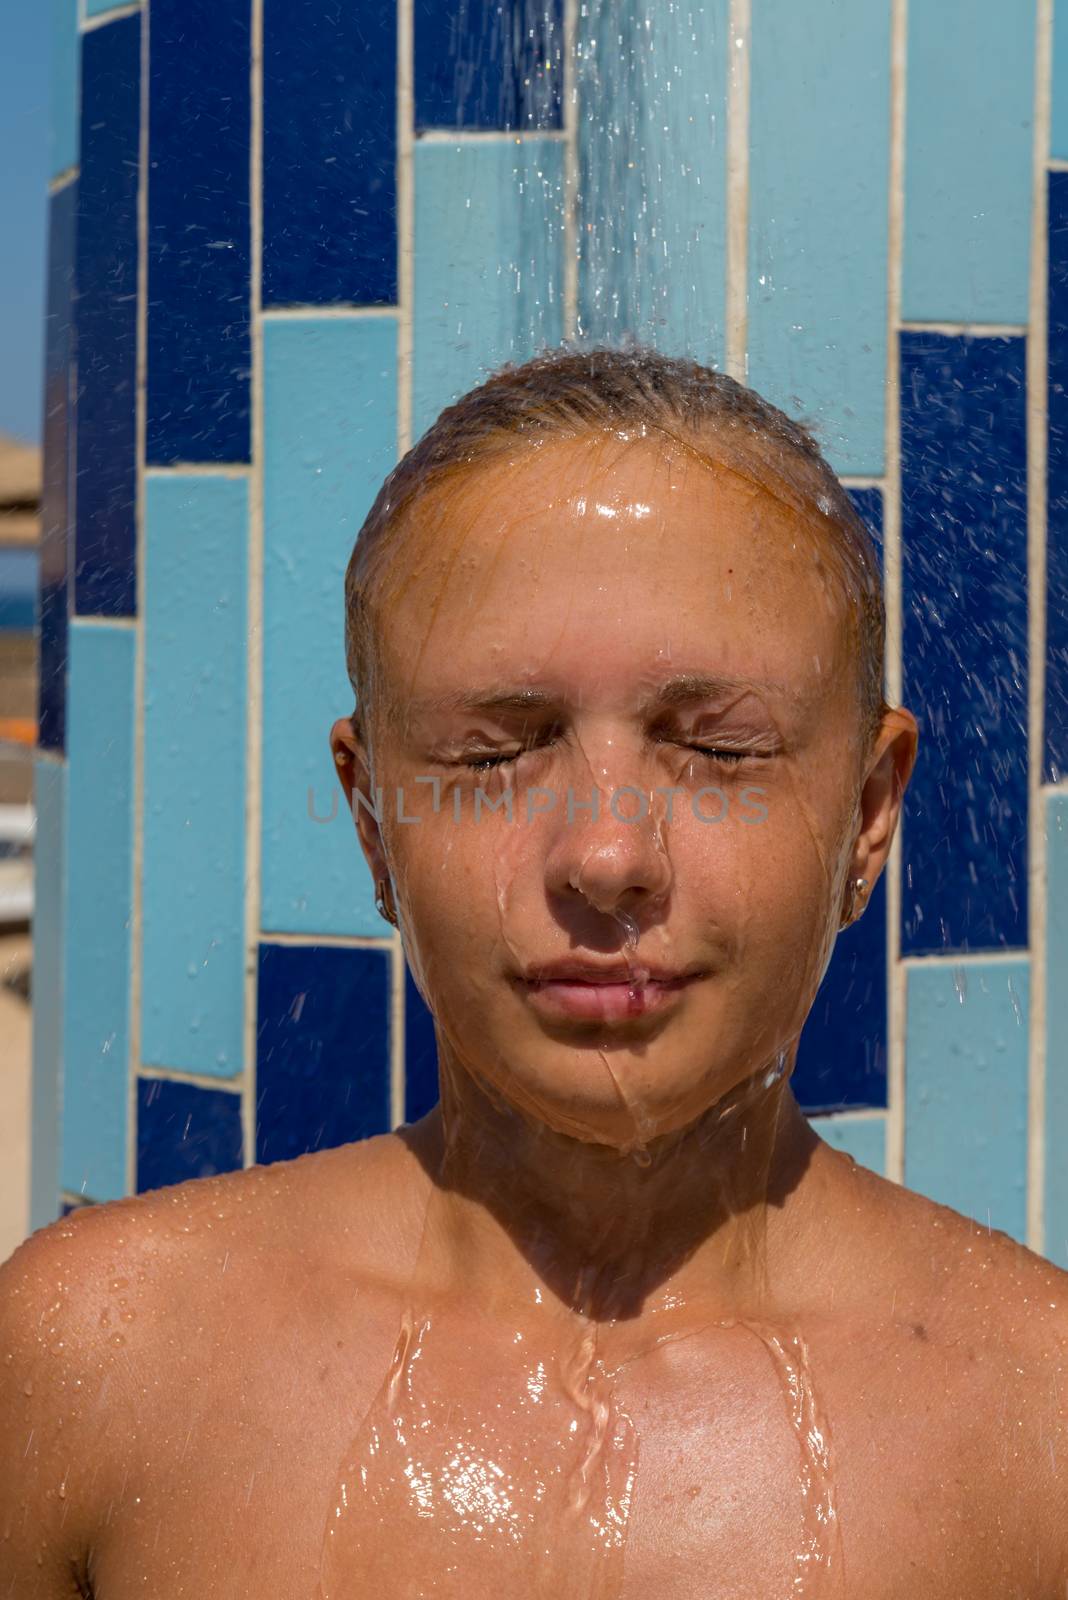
(192, 1378)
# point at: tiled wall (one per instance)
(283, 235)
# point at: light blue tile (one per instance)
(818, 183)
(1056, 1132)
(968, 143)
(330, 421)
(864, 1138)
(966, 1078)
(49, 799)
(488, 263)
(195, 583)
(99, 840)
(63, 149)
(652, 190)
(97, 8)
(1059, 130)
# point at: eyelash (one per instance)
(729, 758)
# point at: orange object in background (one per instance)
(18, 730)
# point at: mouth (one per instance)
(607, 994)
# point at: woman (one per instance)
(612, 1319)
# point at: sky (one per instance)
(24, 152)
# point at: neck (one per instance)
(708, 1218)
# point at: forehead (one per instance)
(598, 562)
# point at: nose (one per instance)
(615, 861)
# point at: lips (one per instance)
(605, 992)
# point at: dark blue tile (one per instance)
(58, 432)
(329, 154)
(1056, 708)
(841, 1061)
(488, 64)
(868, 504)
(105, 582)
(322, 1052)
(420, 1053)
(199, 343)
(185, 1132)
(964, 537)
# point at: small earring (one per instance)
(858, 890)
(384, 908)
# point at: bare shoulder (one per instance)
(109, 1315)
(980, 1324)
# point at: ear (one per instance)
(353, 767)
(888, 771)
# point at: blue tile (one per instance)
(63, 148)
(1058, 149)
(863, 1138)
(966, 1088)
(199, 340)
(1056, 1118)
(868, 504)
(185, 1132)
(330, 150)
(964, 536)
(330, 423)
(841, 1060)
(322, 1052)
(105, 579)
(818, 219)
(49, 799)
(488, 64)
(193, 884)
(58, 471)
(652, 194)
(1056, 708)
(19, 583)
(488, 263)
(968, 154)
(98, 859)
(420, 1053)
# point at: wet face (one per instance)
(598, 620)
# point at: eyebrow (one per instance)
(684, 689)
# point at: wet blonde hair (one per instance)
(572, 393)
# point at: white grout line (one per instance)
(49, 757)
(967, 958)
(858, 480)
(199, 1080)
(347, 313)
(405, 341)
(141, 427)
(63, 179)
(736, 356)
(254, 619)
(1037, 449)
(198, 469)
(340, 941)
(972, 330)
(455, 136)
(97, 621)
(1047, 789)
(405, 219)
(897, 973)
(861, 1114)
(571, 111)
(1057, 165)
(88, 24)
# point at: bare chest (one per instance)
(452, 1460)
